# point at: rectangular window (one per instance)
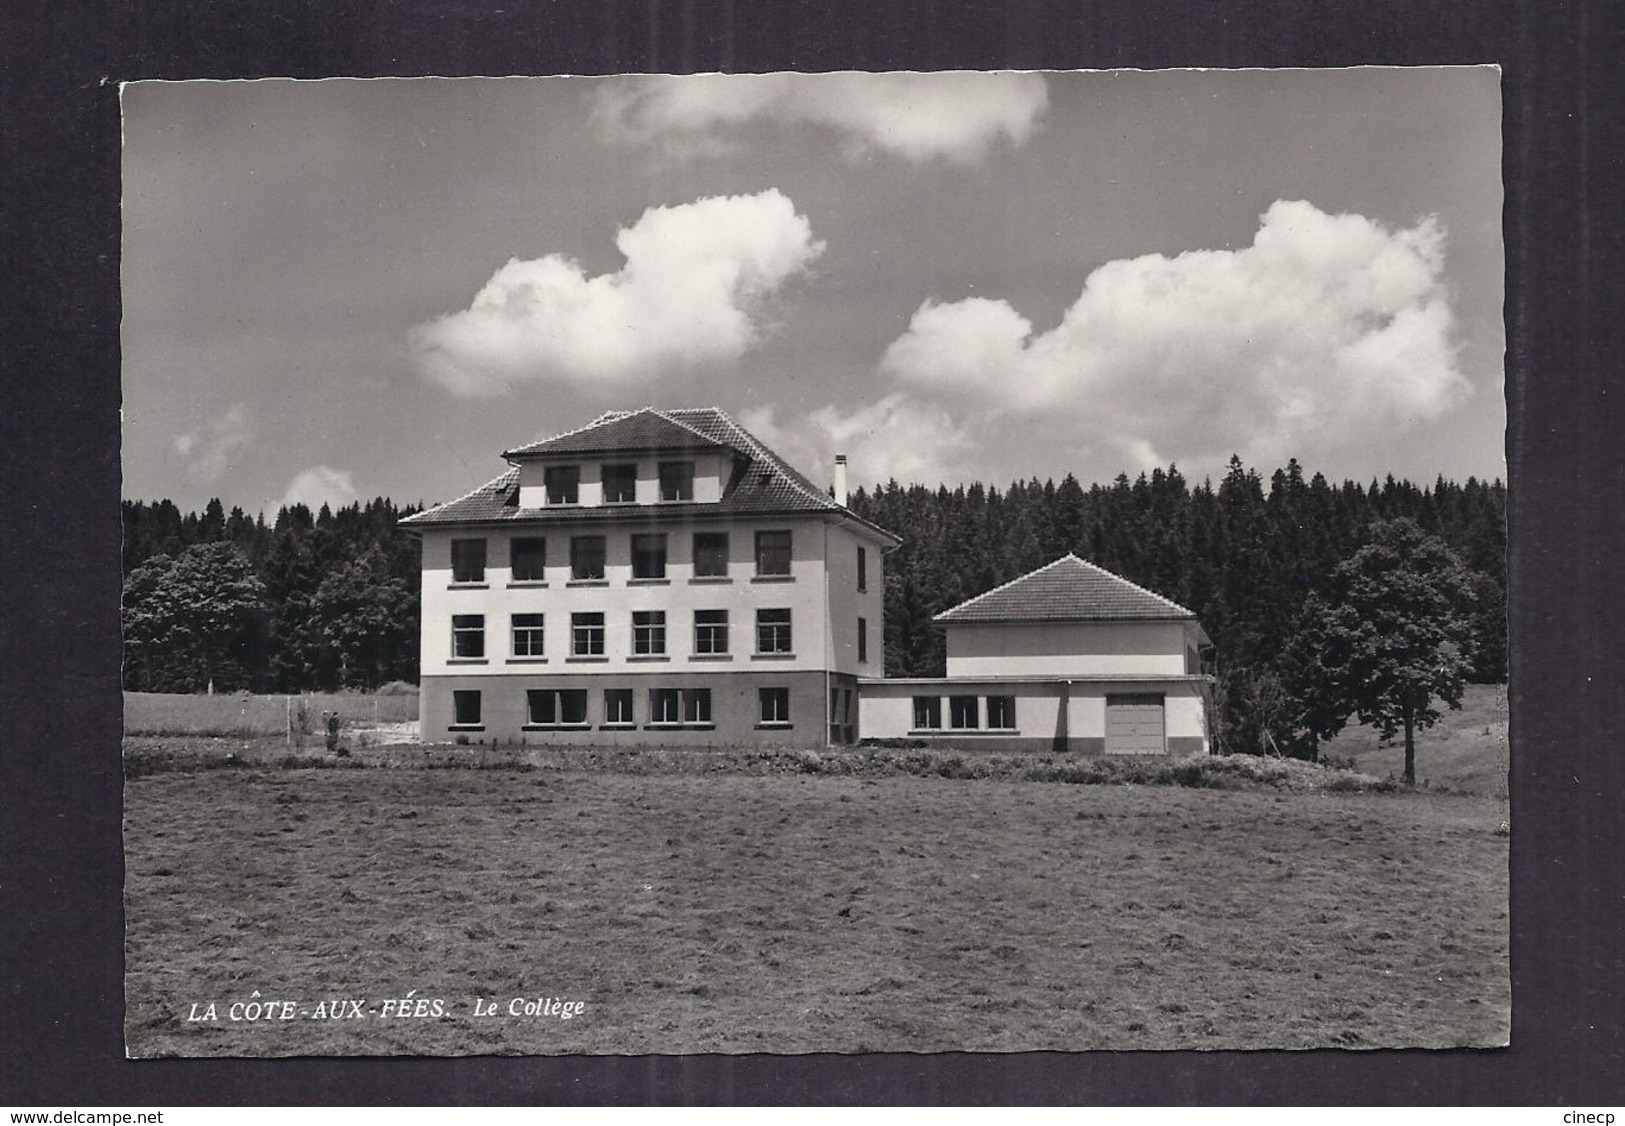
(549, 707)
(775, 703)
(649, 556)
(773, 631)
(710, 631)
(528, 558)
(573, 705)
(696, 705)
(665, 705)
(541, 707)
(618, 706)
(468, 635)
(773, 553)
(677, 480)
(710, 554)
(1001, 712)
(468, 561)
(863, 640)
(465, 707)
(962, 712)
(563, 484)
(863, 569)
(527, 635)
(620, 484)
(648, 632)
(587, 633)
(586, 557)
(927, 713)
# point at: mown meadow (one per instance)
(875, 900)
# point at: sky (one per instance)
(341, 289)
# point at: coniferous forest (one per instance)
(330, 600)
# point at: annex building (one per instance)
(1069, 657)
(661, 577)
(653, 577)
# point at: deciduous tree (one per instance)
(1388, 642)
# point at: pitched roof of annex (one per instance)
(1068, 590)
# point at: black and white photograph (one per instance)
(857, 562)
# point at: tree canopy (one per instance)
(1389, 640)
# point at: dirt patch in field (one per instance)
(740, 913)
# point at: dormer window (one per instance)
(677, 480)
(620, 484)
(563, 484)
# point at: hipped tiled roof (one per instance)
(620, 432)
(1067, 590)
(760, 482)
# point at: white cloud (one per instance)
(957, 116)
(1328, 330)
(896, 437)
(212, 449)
(692, 293)
(319, 485)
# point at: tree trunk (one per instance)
(1410, 749)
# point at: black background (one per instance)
(61, 988)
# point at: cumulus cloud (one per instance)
(956, 116)
(319, 485)
(692, 293)
(212, 449)
(1327, 329)
(897, 437)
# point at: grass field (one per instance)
(1466, 751)
(731, 912)
(243, 715)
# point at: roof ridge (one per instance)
(511, 471)
(607, 416)
(986, 593)
(1136, 586)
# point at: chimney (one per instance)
(840, 480)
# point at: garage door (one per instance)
(1134, 724)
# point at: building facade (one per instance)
(1067, 658)
(655, 577)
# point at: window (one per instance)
(527, 635)
(1001, 711)
(710, 631)
(563, 484)
(649, 556)
(528, 557)
(465, 707)
(773, 631)
(710, 554)
(677, 480)
(773, 553)
(863, 569)
(587, 633)
(556, 707)
(468, 561)
(775, 704)
(863, 640)
(665, 705)
(586, 558)
(927, 713)
(648, 632)
(618, 707)
(696, 705)
(962, 712)
(467, 636)
(620, 484)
